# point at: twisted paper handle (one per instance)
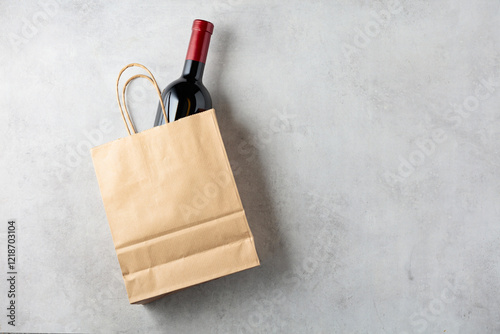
(151, 78)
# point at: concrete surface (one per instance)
(365, 139)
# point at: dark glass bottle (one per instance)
(187, 95)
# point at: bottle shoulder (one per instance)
(185, 85)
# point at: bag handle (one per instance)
(151, 78)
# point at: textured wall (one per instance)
(364, 138)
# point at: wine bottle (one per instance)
(187, 95)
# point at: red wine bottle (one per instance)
(187, 95)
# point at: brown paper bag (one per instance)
(172, 205)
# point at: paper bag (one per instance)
(172, 205)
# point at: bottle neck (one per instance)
(193, 70)
(197, 51)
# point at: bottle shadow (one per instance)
(254, 190)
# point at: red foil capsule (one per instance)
(200, 40)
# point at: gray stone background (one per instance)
(364, 138)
